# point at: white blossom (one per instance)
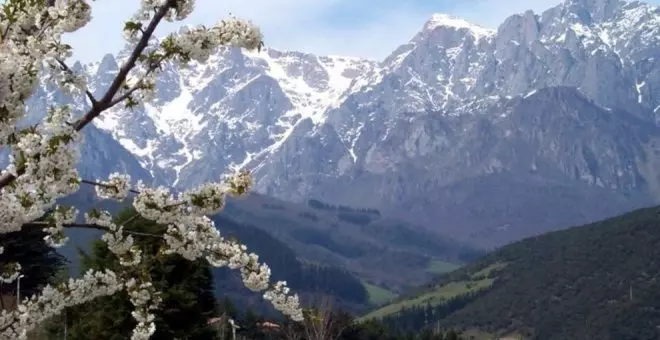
(52, 300)
(43, 159)
(118, 243)
(55, 231)
(11, 272)
(145, 299)
(199, 42)
(116, 187)
(69, 82)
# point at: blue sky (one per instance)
(364, 28)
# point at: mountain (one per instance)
(223, 113)
(350, 246)
(559, 108)
(460, 112)
(598, 281)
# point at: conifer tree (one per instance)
(39, 263)
(186, 291)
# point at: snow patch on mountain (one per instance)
(301, 120)
(450, 21)
(228, 92)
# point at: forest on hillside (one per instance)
(600, 281)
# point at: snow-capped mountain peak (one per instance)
(238, 104)
(451, 22)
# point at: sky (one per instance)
(362, 28)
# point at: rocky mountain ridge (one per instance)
(559, 108)
(462, 110)
(228, 112)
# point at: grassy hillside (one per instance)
(599, 281)
(441, 267)
(307, 279)
(439, 293)
(378, 295)
(390, 253)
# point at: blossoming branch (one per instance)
(43, 158)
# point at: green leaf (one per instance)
(132, 26)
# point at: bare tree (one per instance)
(292, 330)
(321, 322)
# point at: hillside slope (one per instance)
(390, 252)
(599, 281)
(308, 246)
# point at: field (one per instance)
(378, 295)
(478, 280)
(441, 267)
(434, 297)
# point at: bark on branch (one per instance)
(105, 102)
(91, 226)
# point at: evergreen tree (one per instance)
(452, 335)
(40, 263)
(186, 286)
(250, 325)
(227, 307)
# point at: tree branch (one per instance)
(126, 94)
(131, 219)
(91, 226)
(105, 102)
(85, 181)
(137, 192)
(66, 68)
(152, 67)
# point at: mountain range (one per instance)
(488, 135)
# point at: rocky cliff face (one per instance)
(226, 113)
(491, 135)
(548, 121)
